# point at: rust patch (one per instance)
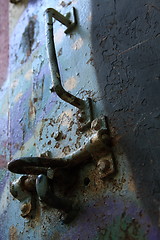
(65, 118)
(63, 4)
(13, 233)
(78, 44)
(32, 110)
(70, 84)
(66, 150)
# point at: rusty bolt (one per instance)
(57, 135)
(26, 209)
(46, 154)
(81, 116)
(29, 183)
(50, 173)
(96, 124)
(103, 165)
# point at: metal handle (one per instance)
(83, 105)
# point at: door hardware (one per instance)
(84, 106)
(47, 170)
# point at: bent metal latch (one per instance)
(42, 173)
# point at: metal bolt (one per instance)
(26, 209)
(46, 154)
(57, 135)
(50, 173)
(81, 116)
(96, 124)
(103, 165)
(29, 183)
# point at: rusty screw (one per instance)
(103, 165)
(57, 135)
(96, 124)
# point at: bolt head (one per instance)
(103, 165)
(57, 135)
(96, 124)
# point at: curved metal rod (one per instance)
(51, 13)
(95, 146)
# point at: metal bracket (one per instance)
(96, 149)
(85, 106)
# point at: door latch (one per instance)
(49, 171)
(45, 174)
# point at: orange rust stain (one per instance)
(70, 84)
(13, 233)
(78, 44)
(66, 150)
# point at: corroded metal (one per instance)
(83, 105)
(96, 147)
(22, 189)
(55, 73)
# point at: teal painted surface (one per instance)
(110, 209)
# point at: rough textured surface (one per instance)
(4, 40)
(112, 57)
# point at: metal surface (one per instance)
(97, 149)
(83, 105)
(113, 58)
(22, 190)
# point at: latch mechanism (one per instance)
(96, 149)
(46, 174)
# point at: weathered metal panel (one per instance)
(111, 57)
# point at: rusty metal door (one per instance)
(98, 149)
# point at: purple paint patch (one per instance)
(4, 40)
